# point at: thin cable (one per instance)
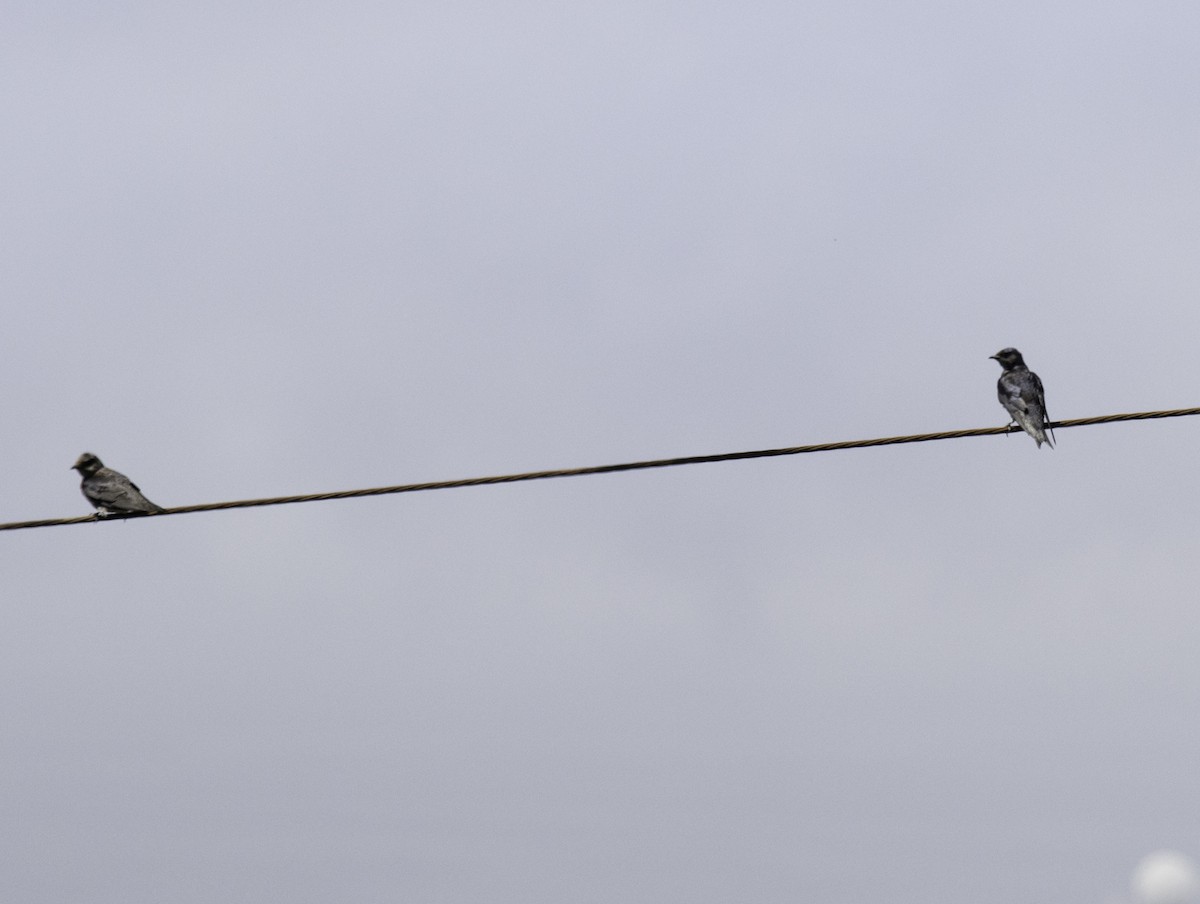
(607, 469)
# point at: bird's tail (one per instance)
(1035, 427)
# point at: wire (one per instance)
(605, 469)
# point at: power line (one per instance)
(606, 469)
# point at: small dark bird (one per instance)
(111, 492)
(1021, 394)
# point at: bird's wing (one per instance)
(1040, 392)
(1028, 389)
(1012, 393)
(1041, 402)
(116, 490)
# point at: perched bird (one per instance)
(111, 492)
(1021, 394)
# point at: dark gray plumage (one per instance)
(111, 492)
(1021, 394)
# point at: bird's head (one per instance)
(1009, 358)
(87, 464)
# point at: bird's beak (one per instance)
(993, 358)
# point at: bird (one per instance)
(111, 492)
(1021, 394)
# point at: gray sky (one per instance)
(261, 248)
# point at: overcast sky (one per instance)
(257, 248)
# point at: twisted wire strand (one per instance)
(606, 469)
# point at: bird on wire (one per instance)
(1020, 392)
(111, 492)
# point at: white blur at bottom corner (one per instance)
(1165, 877)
